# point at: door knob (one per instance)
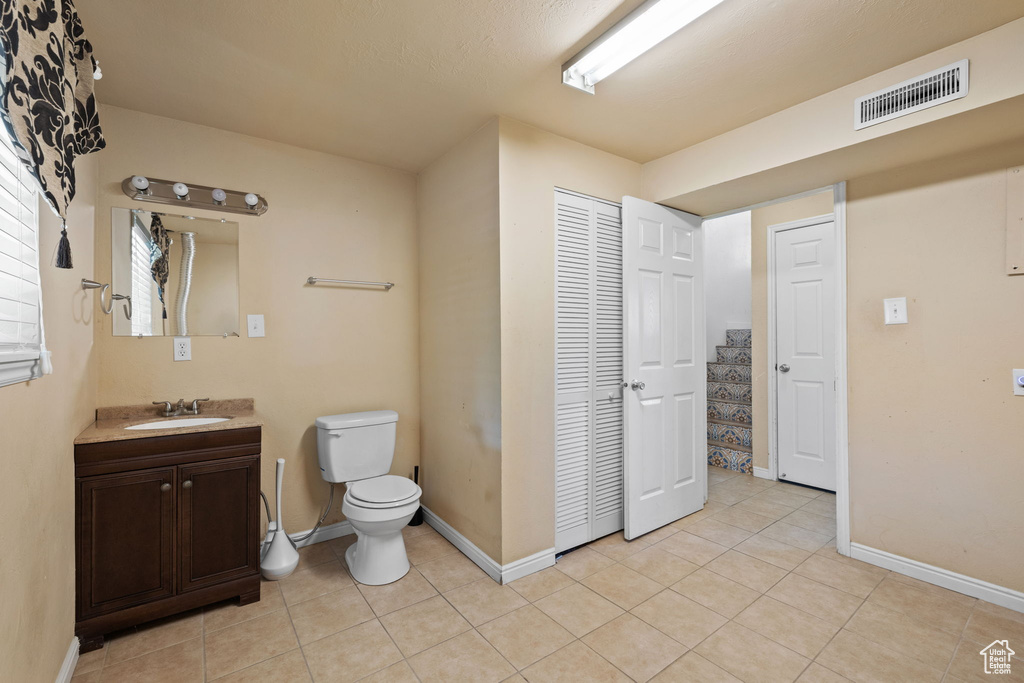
(187, 484)
(783, 368)
(637, 385)
(165, 487)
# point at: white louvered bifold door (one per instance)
(588, 369)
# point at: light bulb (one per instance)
(140, 183)
(181, 190)
(219, 195)
(251, 200)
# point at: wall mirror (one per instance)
(180, 272)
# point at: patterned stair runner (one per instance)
(730, 429)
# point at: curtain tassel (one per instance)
(64, 249)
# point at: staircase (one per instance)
(730, 428)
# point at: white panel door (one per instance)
(665, 461)
(588, 369)
(805, 329)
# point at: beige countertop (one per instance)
(111, 422)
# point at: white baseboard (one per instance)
(500, 573)
(763, 473)
(998, 595)
(325, 533)
(67, 669)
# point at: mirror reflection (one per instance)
(180, 272)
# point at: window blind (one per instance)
(21, 333)
(142, 281)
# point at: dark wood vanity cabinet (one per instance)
(163, 525)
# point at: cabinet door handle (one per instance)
(187, 484)
(165, 487)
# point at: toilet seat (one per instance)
(388, 491)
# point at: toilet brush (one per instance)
(281, 558)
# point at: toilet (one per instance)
(357, 448)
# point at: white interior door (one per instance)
(665, 460)
(805, 375)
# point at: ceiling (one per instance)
(398, 82)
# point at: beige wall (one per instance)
(532, 164)
(460, 344)
(935, 432)
(40, 420)
(760, 219)
(328, 349)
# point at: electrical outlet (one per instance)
(255, 325)
(896, 311)
(182, 348)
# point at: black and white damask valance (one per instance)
(48, 106)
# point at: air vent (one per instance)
(935, 87)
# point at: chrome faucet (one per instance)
(179, 409)
(195, 405)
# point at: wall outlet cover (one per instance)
(1018, 382)
(254, 325)
(182, 348)
(896, 311)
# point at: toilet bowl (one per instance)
(378, 509)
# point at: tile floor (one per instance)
(748, 589)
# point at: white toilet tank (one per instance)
(354, 446)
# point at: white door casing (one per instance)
(805, 351)
(665, 460)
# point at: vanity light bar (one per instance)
(160, 191)
(645, 27)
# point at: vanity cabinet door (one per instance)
(125, 539)
(219, 521)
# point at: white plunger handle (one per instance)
(280, 478)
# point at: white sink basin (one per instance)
(180, 422)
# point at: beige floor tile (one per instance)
(845, 577)
(946, 613)
(817, 599)
(418, 530)
(341, 544)
(952, 596)
(574, 662)
(315, 554)
(746, 570)
(859, 659)
(229, 613)
(484, 600)
(287, 668)
(780, 496)
(797, 489)
(903, 634)
(984, 626)
(91, 661)
(450, 571)
(578, 609)
(581, 563)
(716, 592)
(719, 532)
(427, 547)
(525, 636)
(396, 673)
(623, 586)
(154, 635)
(750, 656)
(679, 617)
(772, 511)
(821, 506)
(408, 590)
(318, 580)
(663, 567)
(786, 625)
(87, 677)
(999, 611)
(693, 548)
(743, 519)
(658, 534)
(804, 519)
(795, 536)
(320, 617)
(709, 510)
(250, 642)
(617, 547)
(773, 552)
(541, 584)
(351, 654)
(816, 673)
(180, 663)
(423, 625)
(692, 668)
(724, 496)
(968, 664)
(637, 649)
(467, 657)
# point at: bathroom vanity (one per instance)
(166, 518)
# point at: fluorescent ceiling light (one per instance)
(642, 29)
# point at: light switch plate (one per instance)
(182, 348)
(896, 311)
(255, 325)
(1018, 382)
